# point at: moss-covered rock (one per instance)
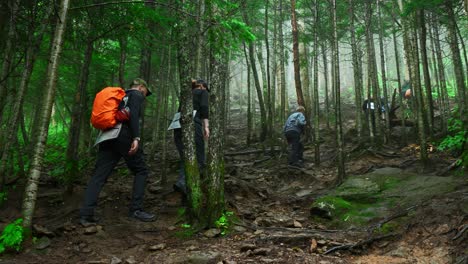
(365, 199)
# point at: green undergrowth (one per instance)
(12, 236)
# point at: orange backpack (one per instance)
(105, 107)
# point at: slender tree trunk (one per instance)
(270, 103)
(412, 58)
(457, 63)
(428, 102)
(400, 95)
(123, 59)
(372, 117)
(338, 122)
(441, 74)
(30, 195)
(316, 115)
(384, 76)
(296, 58)
(357, 71)
(325, 77)
(79, 109)
(282, 61)
(249, 103)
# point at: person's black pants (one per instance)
(297, 149)
(108, 156)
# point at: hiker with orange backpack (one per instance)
(121, 140)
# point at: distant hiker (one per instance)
(406, 91)
(370, 106)
(121, 141)
(293, 129)
(200, 96)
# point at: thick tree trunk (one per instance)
(31, 190)
(215, 205)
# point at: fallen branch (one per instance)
(460, 233)
(255, 151)
(360, 244)
(390, 218)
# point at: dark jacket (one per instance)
(134, 100)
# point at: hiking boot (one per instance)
(296, 165)
(142, 216)
(88, 220)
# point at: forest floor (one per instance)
(272, 203)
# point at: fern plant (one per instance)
(12, 236)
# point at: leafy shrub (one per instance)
(224, 222)
(456, 140)
(12, 236)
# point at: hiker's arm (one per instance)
(204, 114)
(134, 103)
(206, 128)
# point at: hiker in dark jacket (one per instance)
(126, 144)
(202, 131)
(293, 129)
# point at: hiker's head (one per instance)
(141, 85)
(200, 84)
(300, 109)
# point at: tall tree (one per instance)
(8, 55)
(457, 63)
(357, 71)
(338, 123)
(296, 58)
(30, 195)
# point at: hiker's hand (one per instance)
(134, 147)
(206, 133)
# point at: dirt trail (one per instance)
(272, 202)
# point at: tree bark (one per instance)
(384, 75)
(457, 63)
(357, 72)
(425, 65)
(296, 58)
(8, 53)
(338, 122)
(316, 108)
(30, 195)
(79, 108)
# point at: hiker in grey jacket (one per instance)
(293, 129)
